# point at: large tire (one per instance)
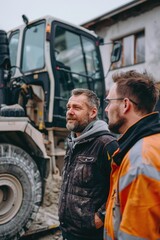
(20, 191)
(12, 111)
(4, 49)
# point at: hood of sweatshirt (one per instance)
(95, 128)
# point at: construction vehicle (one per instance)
(40, 63)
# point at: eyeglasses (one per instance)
(108, 100)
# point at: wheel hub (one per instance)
(11, 196)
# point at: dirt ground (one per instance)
(49, 235)
(48, 213)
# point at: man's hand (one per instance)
(98, 221)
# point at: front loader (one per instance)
(40, 63)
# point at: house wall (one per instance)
(150, 22)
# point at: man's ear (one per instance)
(93, 112)
(126, 105)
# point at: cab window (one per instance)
(33, 47)
(13, 48)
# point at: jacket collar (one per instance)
(146, 126)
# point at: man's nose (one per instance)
(70, 111)
(106, 109)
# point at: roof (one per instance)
(123, 12)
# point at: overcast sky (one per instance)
(74, 11)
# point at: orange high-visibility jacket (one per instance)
(133, 207)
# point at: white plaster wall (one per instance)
(150, 22)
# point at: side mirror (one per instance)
(116, 52)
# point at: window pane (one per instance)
(33, 49)
(13, 47)
(140, 48)
(91, 56)
(69, 55)
(119, 63)
(68, 49)
(128, 50)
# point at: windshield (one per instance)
(33, 48)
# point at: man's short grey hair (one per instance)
(93, 100)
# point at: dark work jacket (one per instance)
(85, 187)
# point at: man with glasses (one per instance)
(133, 207)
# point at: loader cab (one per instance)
(51, 58)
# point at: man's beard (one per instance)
(114, 127)
(76, 127)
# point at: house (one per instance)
(137, 26)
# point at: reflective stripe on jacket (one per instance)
(133, 209)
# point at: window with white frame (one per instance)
(133, 50)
